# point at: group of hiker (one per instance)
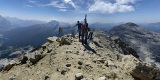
(83, 31)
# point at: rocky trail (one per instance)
(66, 58)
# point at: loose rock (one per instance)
(102, 78)
(80, 63)
(68, 65)
(79, 76)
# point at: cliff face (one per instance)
(67, 59)
(144, 42)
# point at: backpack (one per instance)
(84, 27)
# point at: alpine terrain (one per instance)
(65, 58)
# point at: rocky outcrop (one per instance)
(36, 58)
(146, 72)
(62, 40)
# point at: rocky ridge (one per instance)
(145, 43)
(67, 59)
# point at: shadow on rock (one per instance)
(97, 44)
(89, 48)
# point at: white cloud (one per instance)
(63, 10)
(27, 5)
(56, 4)
(67, 1)
(96, 6)
(62, 5)
(32, 1)
(70, 2)
(125, 1)
(104, 6)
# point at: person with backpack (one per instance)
(84, 28)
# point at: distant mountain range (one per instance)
(16, 33)
(102, 26)
(23, 23)
(8, 23)
(30, 32)
(146, 43)
(152, 26)
(33, 35)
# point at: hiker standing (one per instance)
(84, 28)
(79, 29)
(60, 31)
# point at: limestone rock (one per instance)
(79, 76)
(101, 60)
(52, 39)
(110, 63)
(12, 77)
(102, 78)
(64, 41)
(63, 70)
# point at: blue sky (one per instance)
(104, 11)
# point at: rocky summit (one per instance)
(65, 58)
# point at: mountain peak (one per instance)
(53, 21)
(131, 24)
(126, 27)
